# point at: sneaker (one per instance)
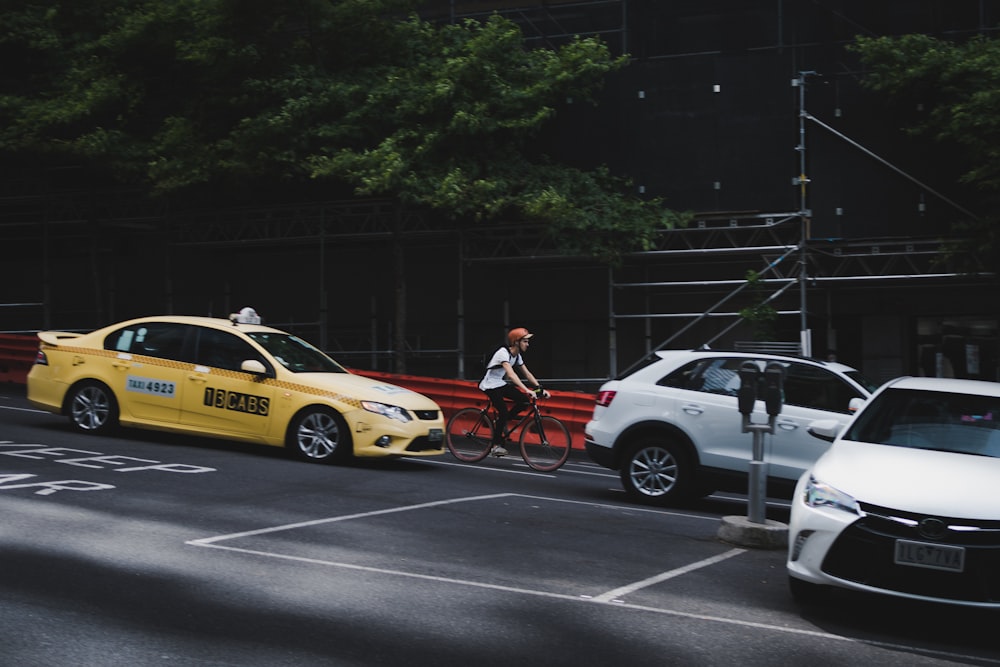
(498, 451)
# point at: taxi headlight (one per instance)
(820, 494)
(390, 411)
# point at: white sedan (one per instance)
(905, 501)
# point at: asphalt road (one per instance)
(148, 549)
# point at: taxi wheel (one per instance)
(92, 408)
(318, 435)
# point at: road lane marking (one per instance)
(473, 466)
(206, 541)
(608, 599)
(618, 593)
(782, 629)
(9, 407)
(347, 517)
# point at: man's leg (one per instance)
(503, 416)
(520, 400)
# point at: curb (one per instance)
(739, 530)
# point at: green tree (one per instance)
(177, 95)
(180, 93)
(761, 315)
(951, 94)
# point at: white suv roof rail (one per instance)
(769, 347)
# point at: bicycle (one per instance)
(544, 440)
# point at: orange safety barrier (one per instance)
(572, 408)
(17, 354)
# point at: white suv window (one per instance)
(812, 387)
(712, 376)
(806, 385)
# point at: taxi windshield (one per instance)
(295, 354)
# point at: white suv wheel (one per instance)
(656, 471)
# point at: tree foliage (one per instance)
(952, 93)
(178, 94)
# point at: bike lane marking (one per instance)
(91, 460)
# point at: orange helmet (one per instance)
(517, 334)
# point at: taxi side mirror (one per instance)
(255, 367)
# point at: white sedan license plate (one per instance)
(933, 556)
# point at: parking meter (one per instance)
(747, 393)
(774, 386)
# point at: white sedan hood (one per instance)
(922, 481)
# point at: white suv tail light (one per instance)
(604, 398)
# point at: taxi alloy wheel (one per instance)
(92, 408)
(320, 434)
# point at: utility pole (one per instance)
(805, 335)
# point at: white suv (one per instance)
(673, 430)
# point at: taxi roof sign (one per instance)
(246, 316)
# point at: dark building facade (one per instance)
(749, 114)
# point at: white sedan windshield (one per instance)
(942, 421)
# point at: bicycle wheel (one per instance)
(545, 443)
(470, 434)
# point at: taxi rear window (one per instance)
(163, 340)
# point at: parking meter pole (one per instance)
(757, 487)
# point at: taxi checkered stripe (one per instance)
(187, 366)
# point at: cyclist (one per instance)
(501, 381)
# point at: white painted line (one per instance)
(566, 469)
(8, 407)
(648, 510)
(571, 598)
(584, 472)
(362, 515)
(608, 599)
(437, 503)
(474, 466)
(617, 593)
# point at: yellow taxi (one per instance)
(234, 379)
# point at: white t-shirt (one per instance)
(495, 375)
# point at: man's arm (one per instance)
(531, 378)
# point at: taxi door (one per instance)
(147, 372)
(218, 396)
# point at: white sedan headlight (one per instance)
(390, 411)
(820, 494)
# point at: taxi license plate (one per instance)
(435, 435)
(933, 556)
